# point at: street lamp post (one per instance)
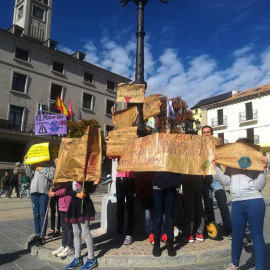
(139, 69)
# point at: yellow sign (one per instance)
(37, 153)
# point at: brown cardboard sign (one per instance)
(125, 118)
(130, 93)
(151, 106)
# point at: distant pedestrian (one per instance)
(5, 183)
(247, 206)
(25, 186)
(14, 183)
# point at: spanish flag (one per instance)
(60, 106)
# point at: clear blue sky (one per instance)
(193, 48)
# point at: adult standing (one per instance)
(5, 183)
(41, 175)
(25, 186)
(14, 182)
(212, 184)
(247, 206)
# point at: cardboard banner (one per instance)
(78, 154)
(125, 118)
(38, 153)
(50, 124)
(179, 153)
(151, 106)
(244, 156)
(130, 93)
(117, 140)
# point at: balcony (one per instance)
(4, 124)
(219, 123)
(256, 139)
(248, 118)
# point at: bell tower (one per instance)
(34, 16)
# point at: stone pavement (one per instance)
(16, 224)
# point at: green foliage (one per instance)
(77, 129)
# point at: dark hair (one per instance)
(244, 140)
(208, 127)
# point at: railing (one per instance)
(219, 122)
(256, 139)
(4, 124)
(244, 117)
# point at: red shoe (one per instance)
(151, 238)
(188, 239)
(164, 238)
(199, 237)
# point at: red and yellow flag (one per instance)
(60, 106)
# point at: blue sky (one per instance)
(193, 48)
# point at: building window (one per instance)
(221, 135)
(21, 54)
(20, 12)
(108, 129)
(220, 117)
(249, 111)
(15, 117)
(87, 101)
(38, 13)
(250, 134)
(110, 85)
(109, 105)
(88, 77)
(58, 67)
(56, 91)
(196, 111)
(19, 82)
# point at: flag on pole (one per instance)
(70, 112)
(60, 106)
(170, 112)
(40, 107)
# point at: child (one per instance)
(80, 218)
(67, 233)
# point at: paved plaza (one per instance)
(16, 224)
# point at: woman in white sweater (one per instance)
(247, 206)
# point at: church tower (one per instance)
(34, 16)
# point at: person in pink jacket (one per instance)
(67, 232)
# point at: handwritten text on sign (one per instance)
(50, 124)
(179, 153)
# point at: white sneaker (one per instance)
(67, 251)
(55, 252)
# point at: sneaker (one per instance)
(188, 239)
(164, 238)
(230, 236)
(90, 264)
(231, 267)
(199, 237)
(59, 250)
(75, 263)
(116, 239)
(107, 180)
(33, 240)
(66, 252)
(151, 238)
(50, 233)
(40, 242)
(245, 242)
(57, 233)
(128, 240)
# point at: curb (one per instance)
(140, 260)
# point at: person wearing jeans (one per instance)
(164, 194)
(41, 175)
(247, 206)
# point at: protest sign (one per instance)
(125, 118)
(130, 93)
(37, 153)
(240, 155)
(117, 140)
(50, 124)
(79, 157)
(151, 106)
(178, 153)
